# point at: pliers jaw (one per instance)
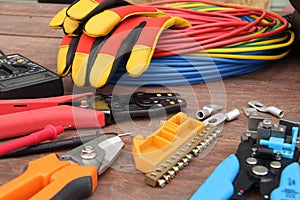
(100, 152)
(98, 102)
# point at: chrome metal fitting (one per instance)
(270, 109)
(219, 118)
(208, 110)
(233, 114)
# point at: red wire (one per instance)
(213, 29)
(196, 1)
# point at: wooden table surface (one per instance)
(24, 30)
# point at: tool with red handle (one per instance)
(19, 105)
(24, 116)
(22, 123)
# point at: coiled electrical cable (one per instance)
(224, 40)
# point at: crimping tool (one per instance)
(266, 157)
(73, 175)
(30, 115)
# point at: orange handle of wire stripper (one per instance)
(48, 177)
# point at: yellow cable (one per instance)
(186, 6)
(255, 48)
(213, 9)
(269, 41)
(242, 57)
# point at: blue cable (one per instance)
(188, 70)
(183, 69)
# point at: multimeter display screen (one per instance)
(25, 80)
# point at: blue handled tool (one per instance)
(223, 177)
(289, 187)
(266, 158)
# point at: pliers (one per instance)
(267, 158)
(73, 175)
(81, 110)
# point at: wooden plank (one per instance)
(40, 50)
(28, 19)
(276, 85)
(33, 26)
(29, 9)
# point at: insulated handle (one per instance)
(36, 176)
(20, 105)
(50, 178)
(72, 182)
(219, 184)
(22, 123)
(289, 184)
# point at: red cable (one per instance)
(213, 29)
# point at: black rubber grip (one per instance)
(77, 189)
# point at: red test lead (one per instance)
(48, 133)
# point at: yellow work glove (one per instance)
(93, 54)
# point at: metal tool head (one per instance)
(100, 152)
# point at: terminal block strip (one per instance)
(164, 172)
(149, 152)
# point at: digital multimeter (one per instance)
(23, 78)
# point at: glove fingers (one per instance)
(61, 20)
(82, 10)
(138, 35)
(144, 48)
(112, 52)
(71, 27)
(96, 58)
(66, 54)
(80, 62)
(58, 20)
(102, 23)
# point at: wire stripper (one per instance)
(81, 110)
(73, 175)
(267, 157)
